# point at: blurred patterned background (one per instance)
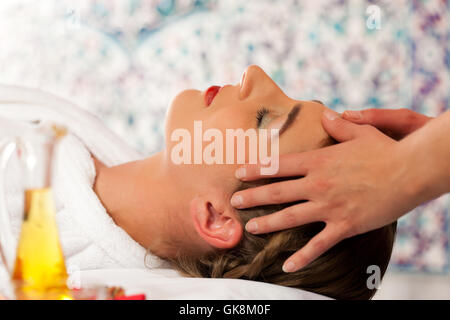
(125, 60)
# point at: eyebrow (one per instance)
(290, 118)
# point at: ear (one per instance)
(216, 222)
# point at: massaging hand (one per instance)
(340, 186)
(396, 123)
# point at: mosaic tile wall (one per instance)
(126, 59)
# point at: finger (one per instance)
(386, 120)
(397, 122)
(319, 244)
(293, 164)
(339, 128)
(272, 193)
(287, 218)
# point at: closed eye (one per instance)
(260, 116)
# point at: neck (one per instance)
(139, 197)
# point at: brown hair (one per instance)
(339, 273)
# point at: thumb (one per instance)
(339, 128)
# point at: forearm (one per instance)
(427, 159)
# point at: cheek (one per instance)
(226, 118)
(219, 176)
(201, 178)
(308, 140)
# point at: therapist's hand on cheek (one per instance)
(358, 185)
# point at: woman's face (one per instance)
(257, 103)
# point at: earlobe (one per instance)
(217, 225)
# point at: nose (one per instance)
(255, 82)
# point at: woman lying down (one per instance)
(116, 208)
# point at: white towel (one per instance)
(90, 239)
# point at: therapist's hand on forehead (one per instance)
(387, 163)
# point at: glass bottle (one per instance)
(38, 271)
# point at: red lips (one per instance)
(210, 94)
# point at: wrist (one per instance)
(422, 175)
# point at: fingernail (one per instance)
(330, 115)
(240, 173)
(289, 267)
(236, 200)
(251, 226)
(355, 115)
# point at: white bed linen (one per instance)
(166, 284)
